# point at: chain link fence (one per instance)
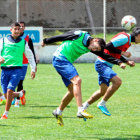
(64, 15)
(68, 14)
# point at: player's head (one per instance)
(136, 34)
(97, 44)
(22, 26)
(15, 29)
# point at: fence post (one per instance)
(104, 19)
(17, 10)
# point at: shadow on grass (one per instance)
(133, 137)
(51, 106)
(44, 117)
(99, 137)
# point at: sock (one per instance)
(102, 102)
(2, 97)
(17, 101)
(6, 113)
(80, 109)
(85, 105)
(59, 112)
(20, 94)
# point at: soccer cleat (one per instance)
(22, 99)
(104, 109)
(85, 115)
(2, 102)
(4, 117)
(16, 104)
(13, 101)
(59, 118)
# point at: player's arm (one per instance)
(31, 60)
(128, 62)
(107, 57)
(31, 46)
(66, 36)
(114, 49)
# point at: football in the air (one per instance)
(128, 22)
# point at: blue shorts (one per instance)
(105, 73)
(10, 78)
(65, 69)
(24, 71)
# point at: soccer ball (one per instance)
(128, 22)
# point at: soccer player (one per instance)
(11, 57)
(75, 44)
(25, 62)
(116, 47)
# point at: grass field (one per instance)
(35, 121)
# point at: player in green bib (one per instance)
(12, 48)
(75, 44)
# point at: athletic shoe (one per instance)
(59, 118)
(104, 109)
(2, 102)
(4, 117)
(16, 104)
(84, 114)
(13, 101)
(22, 99)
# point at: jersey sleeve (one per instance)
(119, 40)
(30, 57)
(107, 57)
(112, 49)
(71, 35)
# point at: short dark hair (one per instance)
(15, 24)
(102, 43)
(136, 32)
(22, 22)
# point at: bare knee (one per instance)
(76, 80)
(117, 82)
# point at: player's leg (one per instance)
(65, 101)
(103, 81)
(116, 83)
(96, 95)
(12, 77)
(20, 86)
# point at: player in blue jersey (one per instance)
(116, 47)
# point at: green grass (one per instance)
(34, 121)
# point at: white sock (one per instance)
(85, 105)
(2, 97)
(80, 109)
(17, 100)
(59, 112)
(20, 94)
(6, 113)
(102, 102)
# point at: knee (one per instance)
(78, 81)
(118, 82)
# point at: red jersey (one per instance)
(25, 60)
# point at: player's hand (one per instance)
(2, 59)
(32, 75)
(126, 54)
(122, 65)
(131, 63)
(43, 44)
